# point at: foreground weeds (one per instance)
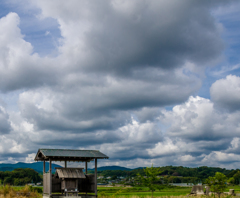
(26, 192)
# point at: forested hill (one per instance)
(103, 168)
(19, 177)
(37, 166)
(199, 172)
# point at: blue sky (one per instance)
(142, 81)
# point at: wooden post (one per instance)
(44, 167)
(85, 167)
(96, 177)
(65, 164)
(50, 176)
(86, 172)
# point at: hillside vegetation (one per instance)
(169, 174)
(200, 172)
(175, 174)
(20, 177)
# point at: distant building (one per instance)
(181, 184)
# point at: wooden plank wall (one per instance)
(46, 184)
(56, 185)
(87, 185)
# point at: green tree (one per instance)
(16, 182)
(7, 180)
(114, 177)
(231, 180)
(171, 179)
(218, 183)
(236, 177)
(150, 179)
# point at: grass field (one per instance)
(235, 187)
(111, 192)
(144, 192)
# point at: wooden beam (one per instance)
(50, 176)
(65, 164)
(68, 159)
(96, 177)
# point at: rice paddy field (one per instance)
(111, 192)
(144, 192)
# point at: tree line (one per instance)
(150, 179)
(179, 174)
(19, 177)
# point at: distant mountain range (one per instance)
(115, 168)
(38, 166)
(111, 168)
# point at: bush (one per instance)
(37, 189)
(27, 191)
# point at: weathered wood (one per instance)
(69, 184)
(72, 180)
(86, 174)
(70, 173)
(56, 185)
(46, 184)
(44, 167)
(197, 189)
(59, 159)
(87, 185)
(50, 176)
(69, 154)
(96, 176)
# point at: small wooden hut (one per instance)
(69, 181)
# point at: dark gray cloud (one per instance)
(113, 38)
(5, 125)
(225, 93)
(119, 63)
(124, 37)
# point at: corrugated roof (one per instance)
(70, 173)
(69, 153)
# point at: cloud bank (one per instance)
(118, 65)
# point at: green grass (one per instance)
(140, 192)
(143, 191)
(235, 187)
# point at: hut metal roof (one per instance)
(69, 155)
(70, 173)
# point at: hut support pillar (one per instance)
(65, 164)
(44, 167)
(96, 177)
(86, 170)
(50, 176)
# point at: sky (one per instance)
(143, 81)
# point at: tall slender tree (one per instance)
(150, 179)
(218, 183)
